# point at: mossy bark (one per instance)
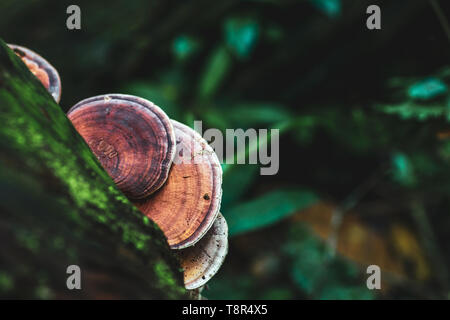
(58, 207)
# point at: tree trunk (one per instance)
(58, 207)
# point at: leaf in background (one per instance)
(277, 293)
(267, 209)
(245, 115)
(214, 118)
(241, 35)
(357, 242)
(304, 128)
(184, 47)
(426, 166)
(308, 254)
(236, 181)
(406, 245)
(252, 114)
(319, 274)
(366, 131)
(274, 33)
(338, 292)
(216, 69)
(345, 280)
(402, 170)
(234, 287)
(163, 95)
(420, 99)
(444, 150)
(411, 110)
(331, 8)
(427, 89)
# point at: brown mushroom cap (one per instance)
(41, 68)
(188, 203)
(132, 138)
(202, 261)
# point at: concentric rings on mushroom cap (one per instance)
(188, 203)
(132, 138)
(41, 68)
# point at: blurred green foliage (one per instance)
(352, 103)
(427, 89)
(330, 7)
(402, 169)
(267, 209)
(241, 35)
(319, 274)
(421, 99)
(306, 267)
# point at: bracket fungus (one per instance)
(132, 138)
(41, 68)
(189, 202)
(202, 261)
(168, 170)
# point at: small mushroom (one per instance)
(132, 138)
(41, 68)
(202, 261)
(188, 203)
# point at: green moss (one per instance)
(136, 238)
(166, 279)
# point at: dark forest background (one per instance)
(365, 143)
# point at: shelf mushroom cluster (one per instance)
(163, 166)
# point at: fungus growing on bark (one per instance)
(188, 203)
(137, 144)
(202, 261)
(132, 138)
(41, 68)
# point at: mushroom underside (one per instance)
(202, 261)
